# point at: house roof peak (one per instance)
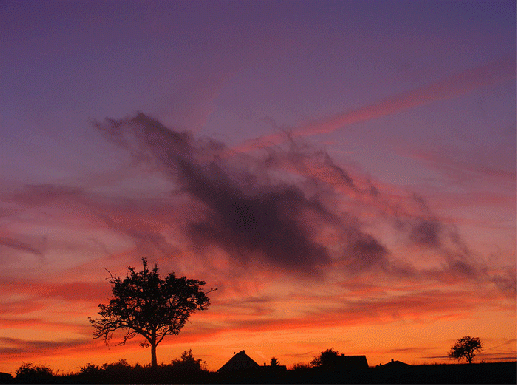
(240, 361)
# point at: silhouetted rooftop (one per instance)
(240, 361)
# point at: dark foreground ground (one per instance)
(484, 373)
(487, 373)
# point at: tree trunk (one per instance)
(154, 360)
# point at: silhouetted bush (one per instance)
(6, 378)
(186, 368)
(187, 363)
(30, 373)
(90, 370)
(301, 367)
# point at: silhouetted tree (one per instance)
(274, 361)
(90, 371)
(187, 362)
(150, 306)
(326, 360)
(465, 347)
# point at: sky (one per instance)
(343, 172)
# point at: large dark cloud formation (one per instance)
(246, 210)
(290, 208)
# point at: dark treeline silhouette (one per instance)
(153, 307)
(323, 369)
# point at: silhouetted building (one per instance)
(395, 365)
(355, 362)
(239, 362)
(333, 362)
(351, 363)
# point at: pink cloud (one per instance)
(72, 290)
(14, 349)
(425, 305)
(461, 171)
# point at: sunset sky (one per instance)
(343, 172)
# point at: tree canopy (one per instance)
(326, 360)
(146, 304)
(465, 347)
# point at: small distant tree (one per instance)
(465, 347)
(187, 362)
(148, 305)
(274, 361)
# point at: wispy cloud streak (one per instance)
(453, 86)
(18, 245)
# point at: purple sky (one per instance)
(294, 109)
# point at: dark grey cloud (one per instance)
(462, 268)
(290, 208)
(267, 223)
(409, 350)
(273, 209)
(427, 232)
(363, 251)
(18, 245)
(506, 282)
(245, 211)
